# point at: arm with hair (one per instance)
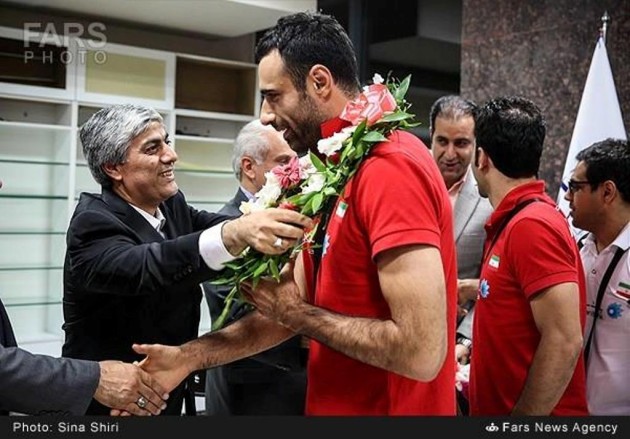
(411, 343)
(556, 312)
(249, 335)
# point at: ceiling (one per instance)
(223, 18)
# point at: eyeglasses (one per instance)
(576, 185)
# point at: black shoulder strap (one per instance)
(580, 242)
(318, 239)
(600, 296)
(505, 222)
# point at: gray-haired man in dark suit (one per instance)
(272, 382)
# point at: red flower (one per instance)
(370, 105)
(288, 175)
(287, 205)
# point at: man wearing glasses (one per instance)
(599, 199)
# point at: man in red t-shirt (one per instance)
(381, 319)
(530, 311)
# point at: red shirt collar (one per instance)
(534, 189)
(332, 126)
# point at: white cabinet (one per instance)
(204, 103)
(36, 65)
(213, 100)
(119, 74)
(204, 143)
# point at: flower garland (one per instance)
(306, 184)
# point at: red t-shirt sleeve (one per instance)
(398, 201)
(541, 253)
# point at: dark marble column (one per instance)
(542, 49)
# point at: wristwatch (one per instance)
(464, 341)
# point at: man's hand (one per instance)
(271, 231)
(462, 353)
(467, 290)
(122, 384)
(163, 363)
(273, 299)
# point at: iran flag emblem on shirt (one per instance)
(623, 290)
(494, 261)
(341, 209)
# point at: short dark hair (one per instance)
(450, 106)
(608, 160)
(307, 38)
(511, 130)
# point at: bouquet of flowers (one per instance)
(308, 183)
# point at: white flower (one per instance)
(315, 183)
(462, 376)
(349, 130)
(270, 192)
(377, 79)
(306, 166)
(332, 144)
(250, 206)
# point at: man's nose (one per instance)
(449, 151)
(568, 195)
(169, 156)
(267, 117)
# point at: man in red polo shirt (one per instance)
(382, 319)
(530, 310)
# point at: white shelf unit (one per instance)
(204, 143)
(35, 144)
(204, 102)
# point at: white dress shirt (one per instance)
(608, 373)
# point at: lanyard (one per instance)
(504, 223)
(600, 296)
(318, 239)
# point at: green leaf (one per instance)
(347, 151)
(308, 207)
(401, 91)
(407, 125)
(317, 201)
(328, 191)
(224, 281)
(220, 321)
(396, 117)
(358, 132)
(300, 199)
(361, 149)
(274, 269)
(261, 269)
(319, 165)
(373, 137)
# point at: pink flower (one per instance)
(372, 104)
(288, 175)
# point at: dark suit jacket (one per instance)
(39, 384)
(125, 284)
(272, 382)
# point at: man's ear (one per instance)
(113, 171)
(319, 80)
(482, 160)
(609, 191)
(247, 167)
